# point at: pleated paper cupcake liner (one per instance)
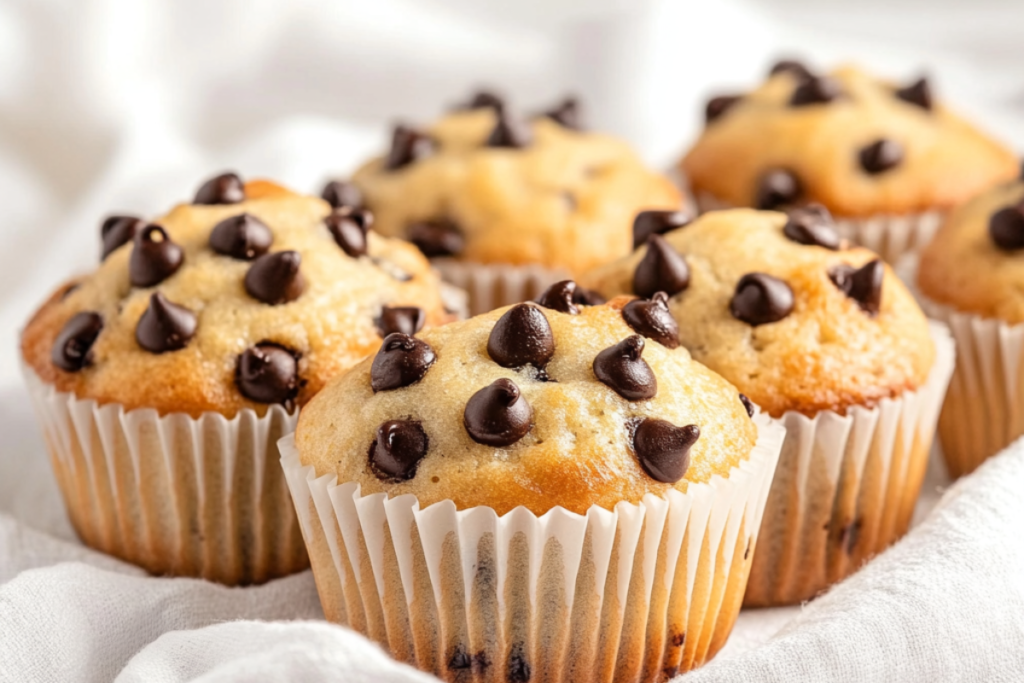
(637, 593)
(891, 236)
(176, 495)
(845, 487)
(491, 286)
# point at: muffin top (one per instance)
(976, 261)
(858, 145)
(485, 186)
(783, 309)
(530, 405)
(250, 295)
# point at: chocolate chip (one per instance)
(242, 237)
(117, 231)
(587, 297)
(498, 415)
(437, 238)
(622, 368)
(401, 360)
(880, 156)
(1006, 227)
(518, 667)
(664, 449)
(485, 99)
(747, 404)
(339, 193)
(918, 93)
(154, 257)
(652, 319)
(649, 223)
(812, 225)
(522, 336)
(407, 146)
(776, 188)
(717, 106)
(566, 113)
(268, 373)
(863, 285)
(72, 349)
(275, 278)
(349, 227)
(791, 66)
(662, 269)
(815, 90)
(227, 188)
(761, 299)
(405, 319)
(509, 132)
(165, 326)
(559, 297)
(397, 450)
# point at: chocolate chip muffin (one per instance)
(529, 200)
(970, 277)
(887, 160)
(217, 320)
(823, 337)
(550, 413)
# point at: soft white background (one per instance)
(124, 105)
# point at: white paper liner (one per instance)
(175, 495)
(845, 487)
(889, 235)
(491, 286)
(636, 593)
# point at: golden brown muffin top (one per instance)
(483, 186)
(976, 261)
(856, 144)
(782, 309)
(531, 406)
(244, 298)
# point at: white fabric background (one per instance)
(124, 105)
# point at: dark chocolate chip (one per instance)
(407, 146)
(566, 113)
(649, 223)
(396, 452)
(485, 99)
(587, 297)
(349, 227)
(791, 66)
(509, 132)
(815, 90)
(275, 278)
(518, 666)
(154, 257)
(227, 188)
(662, 269)
(522, 336)
(812, 225)
(242, 237)
(622, 368)
(652, 319)
(748, 404)
(717, 106)
(437, 238)
(72, 349)
(165, 326)
(559, 297)
(880, 156)
(918, 93)
(498, 415)
(405, 319)
(776, 188)
(863, 285)
(761, 299)
(118, 231)
(339, 193)
(664, 449)
(401, 360)
(268, 373)
(1006, 227)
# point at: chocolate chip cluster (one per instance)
(779, 187)
(266, 372)
(498, 415)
